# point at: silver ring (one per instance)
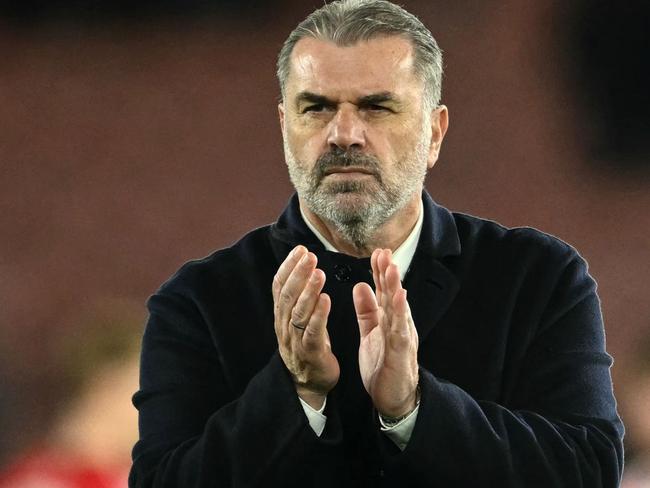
(298, 326)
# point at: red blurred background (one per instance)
(134, 140)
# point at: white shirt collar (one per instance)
(402, 256)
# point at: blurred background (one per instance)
(136, 136)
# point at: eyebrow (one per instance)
(376, 98)
(372, 99)
(307, 96)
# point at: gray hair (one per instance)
(347, 22)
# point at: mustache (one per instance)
(338, 158)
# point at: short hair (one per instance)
(347, 22)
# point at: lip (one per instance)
(348, 170)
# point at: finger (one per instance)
(393, 283)
(365, 304)
(307, 300)
(377, 276)
(285, 270)
(287, 295)
(294, 286)
(383, 262)
(315, 335)
(401, 311)
(384, 259)
(402, 337)
(402, 308)
(375, 270)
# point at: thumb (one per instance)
(366, 307)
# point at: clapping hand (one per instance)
(301, 311)
(389, 340)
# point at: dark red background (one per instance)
(132, 145)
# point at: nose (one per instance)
(347, 130)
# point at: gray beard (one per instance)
(357, 224)
(356, 209)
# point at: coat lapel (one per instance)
(431, 285)
(291, 230)
(431, 289)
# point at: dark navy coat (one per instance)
(515, 381)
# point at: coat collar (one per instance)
(439, 237)
(291, 228)
(431, 285)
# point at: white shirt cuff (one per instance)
(315, 417)
(401, 432)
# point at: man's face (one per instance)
(357, 138)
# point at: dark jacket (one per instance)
(515, 381)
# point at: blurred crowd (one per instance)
(87, 439)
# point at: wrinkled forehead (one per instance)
(382, 64)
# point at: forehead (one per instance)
(383, 64)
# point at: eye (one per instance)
(378, 108)
(317, 107)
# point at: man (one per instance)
(297, 358)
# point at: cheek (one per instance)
(394, 148)
(305, 141)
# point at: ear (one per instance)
(281, 115)
(439, 124)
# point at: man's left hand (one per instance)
(389, 340)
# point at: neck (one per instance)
(390, 235)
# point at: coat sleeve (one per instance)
(560, 428)
(196, 432)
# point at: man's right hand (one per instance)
(301, 312)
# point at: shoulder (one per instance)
(519, 257)
(225, 267)
(487, 237)
(539, 274)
